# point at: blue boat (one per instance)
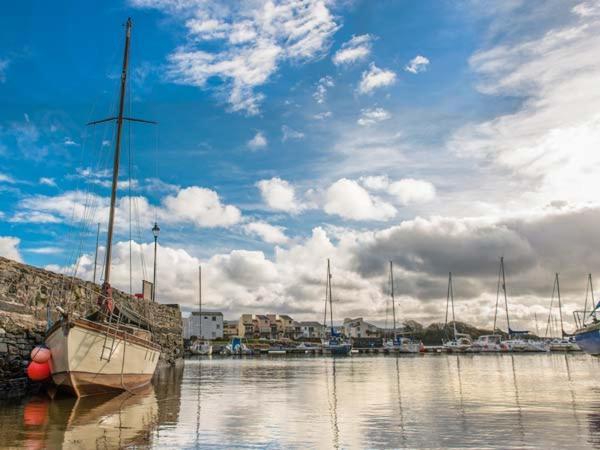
(588, 338)
(587, 335)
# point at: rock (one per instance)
(3, 347)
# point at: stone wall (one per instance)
(24, 293)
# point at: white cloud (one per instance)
(280, 195)
(409, 191)
(6, 179)
(417, 64)
(258, 141)
(195, 205)
(347, 199)
(370, 116)
(45, 250)
(375, 182)
(47, 181)
(202, 207)
(322, 116)
(548, 143)
(320, 93)
(290, 134)
(375, 78)
(356, 49)
(70, 142)
(9, 248)
(267, 232)
(254, 39)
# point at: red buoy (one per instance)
(38, 371)
(40, 354)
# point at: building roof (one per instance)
(285, 317)
(311, 324)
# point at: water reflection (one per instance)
(500, 401)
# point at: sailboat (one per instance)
(111, 350)
(199, 347)
(587, 335)
(461, 342)
(336, 344)
(398, 343)
(563, 343)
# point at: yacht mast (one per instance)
(505, 297)
(115, 177)
(200, 300)
(562, 328)
(393, 300)
(330, 297)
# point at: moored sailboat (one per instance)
(398, 343)
(200, 347)
(111, 350)
(336, 344)
(460, 342)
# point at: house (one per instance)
(246, 326)
(312, 330)
(285, 326)
(230, 329)
(263, 326)
(358, 328)
(205, 326)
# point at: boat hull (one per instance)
(338, 350)
(588, 340)
(85, 362)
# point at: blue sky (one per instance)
(430, 133)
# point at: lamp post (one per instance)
(155, 231)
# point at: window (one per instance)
(214, 318)
(218, 326)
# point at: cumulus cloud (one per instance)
(356, 49)
(258, 141)
(409, 191)
(375, 78)
(288, 134)
(254, 40)
(347, 199)
(267, 232)
(4, 178)
(323, 85)
(370, 116)
(322, 116)
(9, 247)
(279, 195)
(405, 191)
(417, 64)
(195, 205)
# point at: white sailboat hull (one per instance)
(85, 361)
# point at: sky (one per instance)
(439, 135)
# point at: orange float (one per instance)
(40, 354)
(38, 371)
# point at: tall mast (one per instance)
(451, 290)
(562, 328)
(504, 289)
(330, 297)
(96, 254)
(200, 299)
(392, 294)
(115, 177)
(326, 299)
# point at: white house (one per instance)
(212, 325)
(311, 329)
(358, 328)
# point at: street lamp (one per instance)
(155, 231)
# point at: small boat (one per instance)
(567, 344)
(336, 344)
(201, 348)
(461, 342)
(398, 343)
(112, 349)
(236, 347)
(488, 343)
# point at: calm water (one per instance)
(536, 401)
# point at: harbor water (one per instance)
(480, 400)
